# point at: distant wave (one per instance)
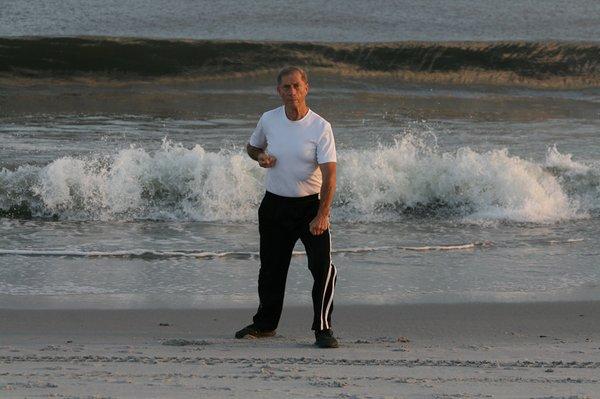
(409, 179)
(551, 64)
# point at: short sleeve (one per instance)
(326, 146)
(258, 138)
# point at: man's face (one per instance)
(293, 89)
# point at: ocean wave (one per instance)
(411, 178)
(548, 64)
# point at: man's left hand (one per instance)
(319, 224)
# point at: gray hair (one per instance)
(289, 70)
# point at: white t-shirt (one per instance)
(299, 146)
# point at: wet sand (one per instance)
(416, 351)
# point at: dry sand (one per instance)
(535, 350)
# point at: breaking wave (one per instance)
(410, 178)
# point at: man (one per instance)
(301, 164)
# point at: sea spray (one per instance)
(578, 180)
(410, 177)
(172, 183)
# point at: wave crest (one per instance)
(172, 183)
(410, 178)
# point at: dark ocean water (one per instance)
(332, 21)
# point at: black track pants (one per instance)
(282, 221)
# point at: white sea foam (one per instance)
(156, 254)
(564, 162)
(579, 180)
(410, 177)
(448, 247)
(413, 175)
(153, 254)
(172, 183)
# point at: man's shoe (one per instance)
(252, 332)
(325, 339)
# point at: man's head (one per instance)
(292, 86)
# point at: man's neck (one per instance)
(295, 113)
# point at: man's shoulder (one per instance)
(318, 123)
(271, 113)
(319, 119)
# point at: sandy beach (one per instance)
(527, 350)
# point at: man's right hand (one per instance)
(266, 160)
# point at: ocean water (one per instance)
(332, 21)
(444, 195)
(139, 194)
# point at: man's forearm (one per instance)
(327, 193)
(254, 152)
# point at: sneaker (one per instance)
(253, 332)
(325, 339)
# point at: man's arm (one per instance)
(321, 222)
(258, 154)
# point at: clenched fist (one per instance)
(266, 160)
